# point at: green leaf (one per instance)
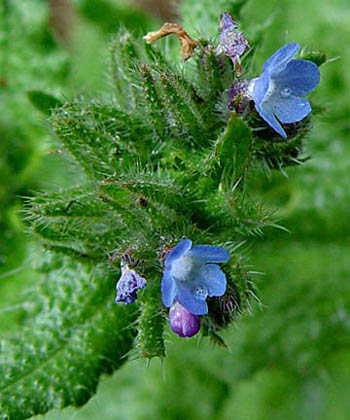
(77, 220)
(232, 151)
(44, 102)
(137, 213)
(97, 136)
(157, 187)
(60, 353)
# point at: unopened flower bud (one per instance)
(182, 322)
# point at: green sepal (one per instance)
(282, 153)
(316, 56)
(208, 330)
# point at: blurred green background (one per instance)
(291, 359)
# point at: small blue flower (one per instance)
(128, 284)
(188, 279)
(277, 91)
(231, 41)
(182, 322)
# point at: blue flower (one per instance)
(128, 284)
(188, 279)
(182, 322)
(277, 91)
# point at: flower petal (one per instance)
(214, 279)
(300, 76)
(187, 297)
(181, 248)
(267, 114)
(291, 109)
(168, 288)
(277, 61)
(209, 253)
(261, 86)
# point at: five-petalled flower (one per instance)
(277, 91)
(189, 277)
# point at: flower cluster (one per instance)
(191, 272)
(189, 279)
(277, 91)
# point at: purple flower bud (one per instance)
(128, 284)
(231, 41)
(182, 322)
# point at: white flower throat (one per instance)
(184, 268)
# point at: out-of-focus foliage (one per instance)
(109, 15)
(29, 58)
(201, 18)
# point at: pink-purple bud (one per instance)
(182, 322)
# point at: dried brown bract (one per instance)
(187, 44)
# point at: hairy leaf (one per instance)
(78, 334)
(233, 151)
